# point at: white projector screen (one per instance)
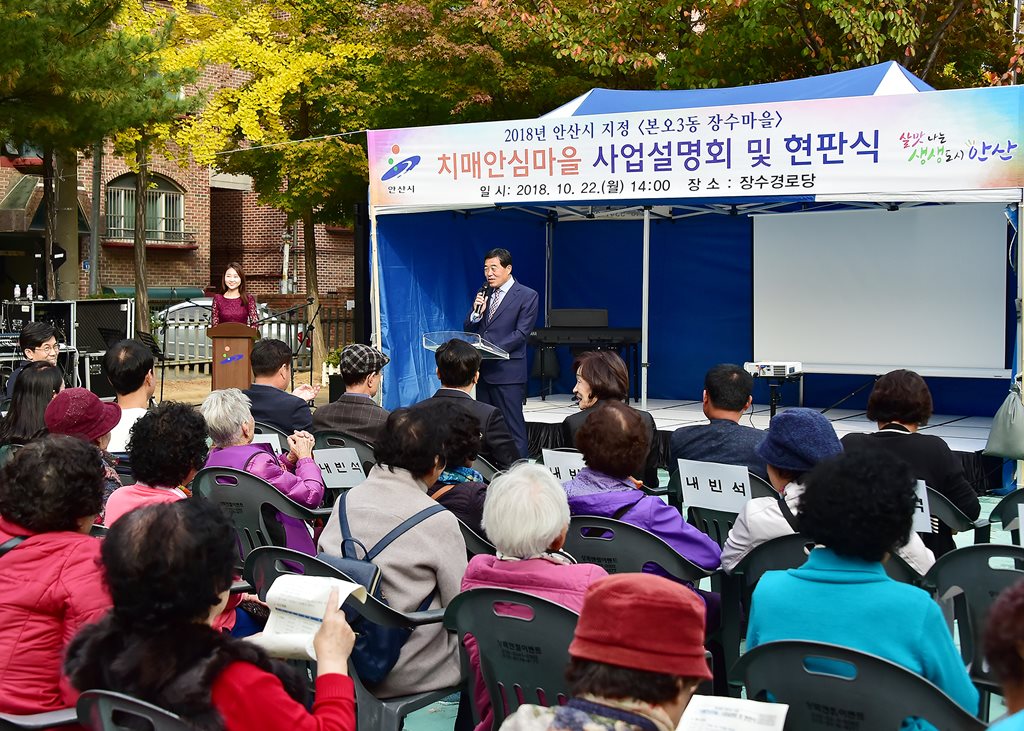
(868, 291)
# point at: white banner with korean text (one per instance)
(965, 139)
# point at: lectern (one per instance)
(232, 346)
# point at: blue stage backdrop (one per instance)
(431, 268)
(700, 298)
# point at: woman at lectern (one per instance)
(235, 304)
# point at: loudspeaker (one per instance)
(102, 314)
(59, 314)
(91, 375)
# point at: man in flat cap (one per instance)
(355, 412)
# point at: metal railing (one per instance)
(187, 345)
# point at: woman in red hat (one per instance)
(636, 658)
(78, 412)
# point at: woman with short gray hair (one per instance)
(526, 516)
(231, 426)
(526, 512)
(226, 411)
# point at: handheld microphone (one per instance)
(485, 290)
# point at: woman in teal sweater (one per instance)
(859, 509)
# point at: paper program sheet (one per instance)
(297, 605)
(715, 713)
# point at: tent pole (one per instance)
(645, 309)
(375, 336)
(1019, 365)
(549, 236)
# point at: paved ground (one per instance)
(192, 388)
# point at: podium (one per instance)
(232, 346)
(488, 350)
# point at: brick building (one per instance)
(197, 221)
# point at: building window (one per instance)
(165, 210)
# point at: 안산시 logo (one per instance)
(401, 167)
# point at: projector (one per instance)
(774, 368)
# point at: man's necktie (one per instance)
(495, 299)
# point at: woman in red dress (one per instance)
(235, 305)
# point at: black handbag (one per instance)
(377, 647)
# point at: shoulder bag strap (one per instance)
(402, 528)
(348, 543)
(11, 543)
(447, 488)
(787, 513)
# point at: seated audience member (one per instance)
(900, 403)
(50, 585)
(635, 660)
(428, 560)
(129, 368)
(613, 441)
(458, 369)
(355, 412)
(79, 413)
(38, 343)
(295, 474)
(271, 404)
(527, 518)
(1004, 638)
(39, 383)
(166, 449)
(728, 394)
(460, 488)
(601, 377)
(169, 568)
(859, 508)
(796, 441)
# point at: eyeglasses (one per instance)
(49, 349)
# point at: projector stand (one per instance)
(775, 391)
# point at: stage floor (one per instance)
(962, 433)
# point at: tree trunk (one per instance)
(313, 290)
(141, 290)
(50, 226)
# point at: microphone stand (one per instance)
(163, 326)
(307, 341)
(298, 348)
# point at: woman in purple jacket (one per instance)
(614, 443)
(231, 426)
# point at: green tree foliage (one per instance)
(74, 73)
(638, 44)
(438, 62)
(292, 94)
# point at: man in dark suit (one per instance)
(504, 315)
(272, 370)
(355, 412)
(458, 368)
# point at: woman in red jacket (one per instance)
(169, 568)
(50, 582)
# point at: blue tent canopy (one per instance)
(887, 77)
(427, 263)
